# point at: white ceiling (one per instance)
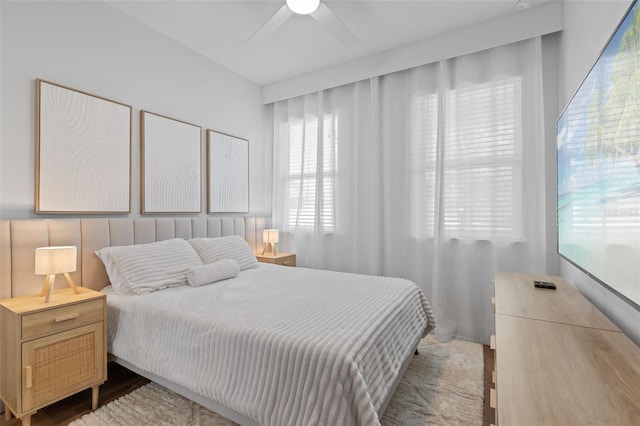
(220, 29)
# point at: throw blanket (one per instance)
(283, 346)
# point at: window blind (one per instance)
(481, 164)
(312, 189)
(482, 161)
(424, 142)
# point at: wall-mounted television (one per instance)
(598, 155)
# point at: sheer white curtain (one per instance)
(434, 174)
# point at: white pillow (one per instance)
(231, 247)
(212, 272)
(143, 268)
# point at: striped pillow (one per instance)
(143, 268)
(232, 247)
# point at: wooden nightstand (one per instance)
(285, 259)
(51, 350)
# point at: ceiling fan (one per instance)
(318, 11)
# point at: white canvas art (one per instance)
(83, 146)
(171, 165)
(228, 160)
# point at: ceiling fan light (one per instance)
(303, 7)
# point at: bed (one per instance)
(272, 346)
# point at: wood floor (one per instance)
(122, 381)
(489, 416)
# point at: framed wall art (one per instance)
(170, 164)
(228, 173)
(83, 152)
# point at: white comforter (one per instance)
(283, 346)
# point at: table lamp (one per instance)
(51, 261)
(270, 237)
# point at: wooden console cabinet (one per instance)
(560, 361)
(51, 350)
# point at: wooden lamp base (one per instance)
(48, 286)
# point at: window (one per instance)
(481, 159)
(312, 189)
(424, 142)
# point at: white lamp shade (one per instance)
(56, 260)
(270, 236)
(303, 7)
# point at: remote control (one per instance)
(544, 284)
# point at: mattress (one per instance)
(283, 346)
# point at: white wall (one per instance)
(532, 22)
(550, 67)
(92, 47)
(587, 27)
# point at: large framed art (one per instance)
(227, 173)
(83, 152)
(170, 163)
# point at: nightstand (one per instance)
(51, 350)
(285, 259)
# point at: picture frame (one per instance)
(170, 165)
(227, 173)
(83, 152)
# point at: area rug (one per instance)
(443, 385)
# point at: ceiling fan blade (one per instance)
(334, 25)
(271, 25)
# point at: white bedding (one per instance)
(283, 346)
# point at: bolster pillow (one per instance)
(212, 272)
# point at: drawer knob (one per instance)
(67, 317)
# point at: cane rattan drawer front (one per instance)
(60, 319)
(58, 365)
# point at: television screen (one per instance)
(598, 150)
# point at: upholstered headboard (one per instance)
(20, 238)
